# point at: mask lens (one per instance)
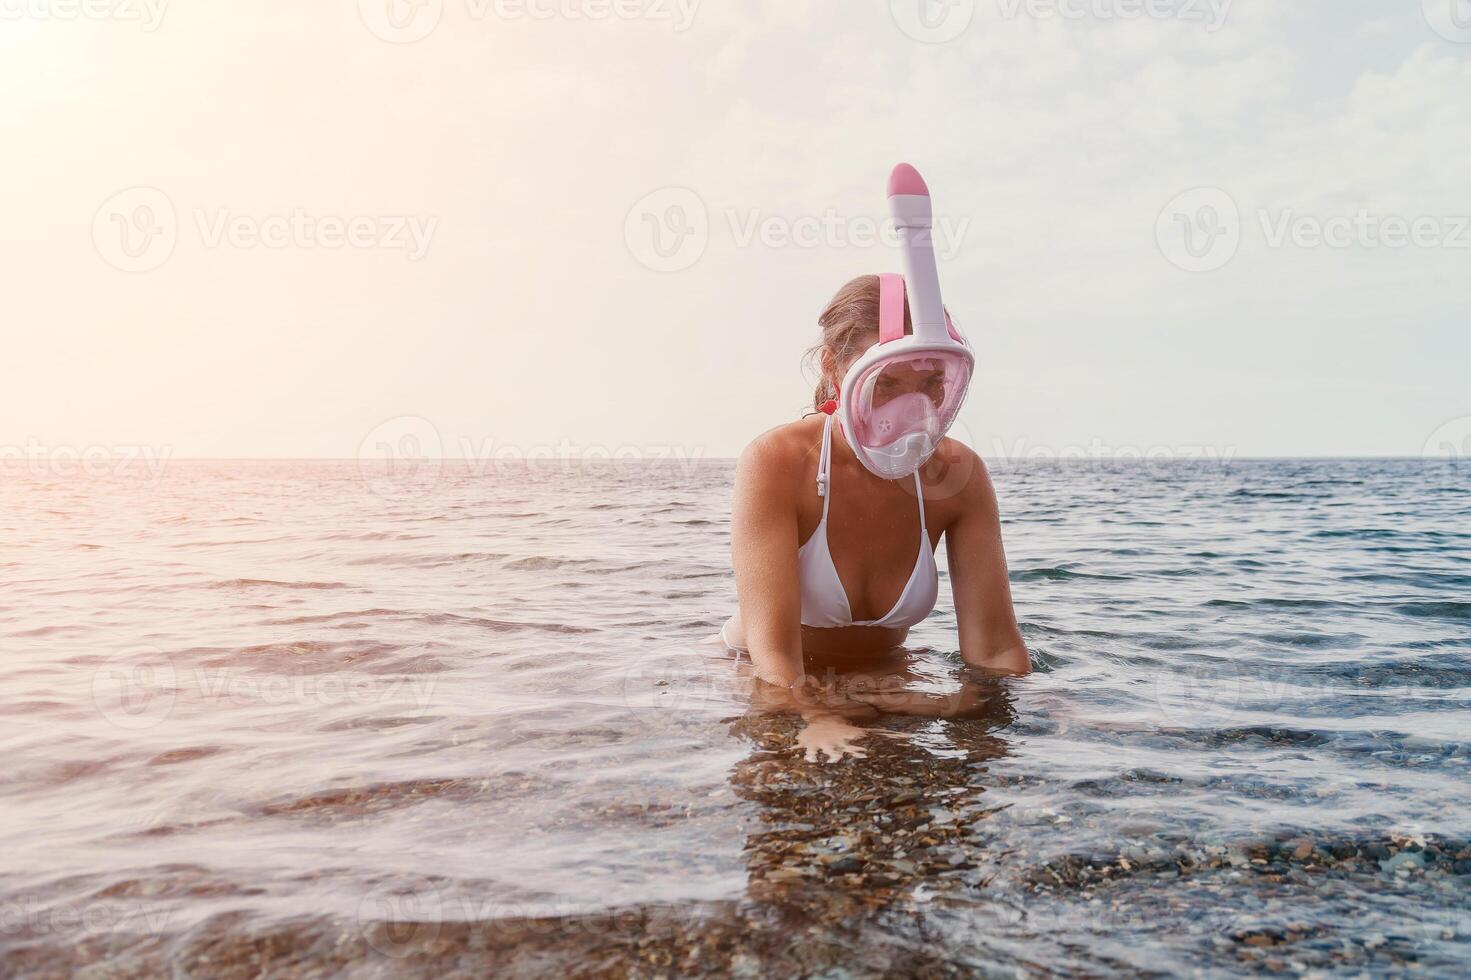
(905, 404)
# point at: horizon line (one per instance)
(1055, 458)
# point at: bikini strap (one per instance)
(919, 492)
(825, 464)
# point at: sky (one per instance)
(1169, 227)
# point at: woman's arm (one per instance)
(763, 541)
(989, 637)
(764, 551)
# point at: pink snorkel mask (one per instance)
(901, 397)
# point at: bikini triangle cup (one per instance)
(825, 601)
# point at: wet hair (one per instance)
(850, 324)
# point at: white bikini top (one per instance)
(824, 603)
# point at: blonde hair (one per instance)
(850, 324)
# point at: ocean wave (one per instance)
(261, 583)
(1060, 574)
(1446, 609)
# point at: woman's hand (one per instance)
(827, 738)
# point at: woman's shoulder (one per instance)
(781, 452)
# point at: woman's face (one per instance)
(903, 377)
(910, 376)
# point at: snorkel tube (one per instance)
(901, 396)
(914, 220)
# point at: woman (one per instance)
(834, 563)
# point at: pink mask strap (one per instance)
(950, 324)
(891, 307)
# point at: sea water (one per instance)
(309, 718)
